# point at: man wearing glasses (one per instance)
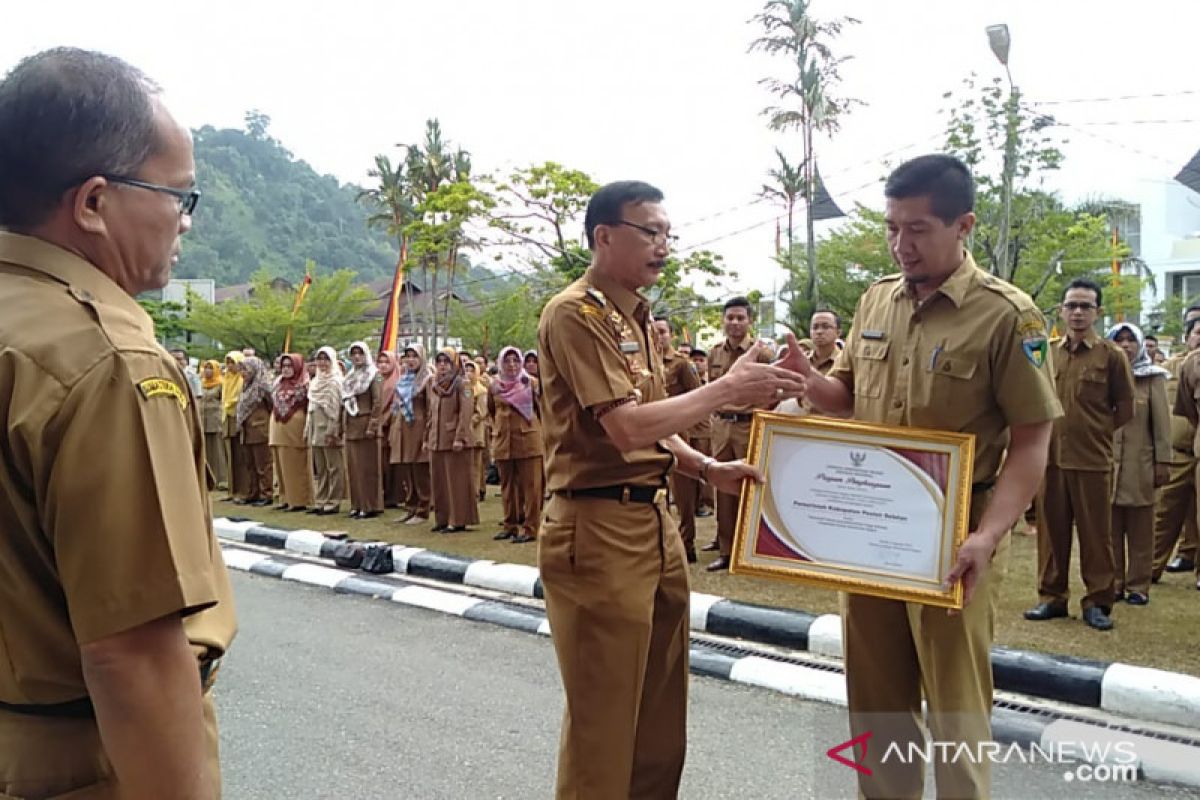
(115, 604)
(1095, 387)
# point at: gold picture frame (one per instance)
(881, 509)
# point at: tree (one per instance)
(167, 317)
(496, 321)
(808, 103)
(787, 189)
(332, 313)
(681, 301)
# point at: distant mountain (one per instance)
(262, 207)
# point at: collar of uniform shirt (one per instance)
(65, 267)
(954, 287)
(1089, 340)
(627, 302)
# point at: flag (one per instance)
(391, 319)
(307, 282)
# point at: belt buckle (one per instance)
(625, 494)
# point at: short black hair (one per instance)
(1150, 337)
(738, 302)
(1084, 283)
(945, 179)
(67, 115)
(837, 318)
(696, 351)
(609, 201)
(1190, 309)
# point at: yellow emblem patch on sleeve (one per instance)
(162, 387)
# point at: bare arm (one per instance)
(725, 476)
(145, 686)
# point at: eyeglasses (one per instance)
(188, 198)
(1079, 306)
(658, 237)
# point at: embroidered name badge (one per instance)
(162, 387)
(630, 347)
(878, 336)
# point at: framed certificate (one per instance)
(863, 508)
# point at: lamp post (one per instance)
(999, 40)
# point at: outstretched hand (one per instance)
(794, 359)
(757, 384)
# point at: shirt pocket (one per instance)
(1093, 386)
(870, 368)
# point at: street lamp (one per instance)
(1000, 40)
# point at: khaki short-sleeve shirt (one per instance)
(1092, 380)
(104, 505)
(970, 358)
(594, 348)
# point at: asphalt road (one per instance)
(332, 696)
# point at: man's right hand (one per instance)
(755, 384)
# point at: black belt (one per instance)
(83, 708)
(625, 494)
(982, 486)
(729, 416)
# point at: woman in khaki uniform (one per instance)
(231, 392)
(479, 428)
(390, 369)
(361, 403)
(254, 423)
(1142, 450)
(409, 438)
(517, 447)
(323, 432)
(289, 447)
(210, 419)
(451, 405)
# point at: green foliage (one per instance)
(536, 204)
(264, 209)
(692, 303)
(498, 320)
(332, 313)
(167, 316)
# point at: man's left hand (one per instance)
(974, 559)
(727, 476)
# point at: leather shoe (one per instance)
(720, 565)
(438, 528)
(1179, 564)
(1044, 611)
(296, 509)
(691, 557)
(1137, 599)
(711, 547)
(369, 514)
(704, 512)
(502, 535)
(259, 503)
(1096, 618)
(524, 538)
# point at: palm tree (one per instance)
(788, 187)
(807, 103)
(394, 209)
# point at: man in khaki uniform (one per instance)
(701, 435)
(115, 604)
(1095, 388)
(731, 424)
(1175, 514)
(610, 555)
(941, 345)
(1187, 404)
(681, 377)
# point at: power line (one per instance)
(1142, 122)
(1116, 98)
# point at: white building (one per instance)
(1170, 241)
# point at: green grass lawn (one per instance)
(1164, 634)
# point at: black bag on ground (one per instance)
(348, 554)
(378, 559)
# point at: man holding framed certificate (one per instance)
(942, 345)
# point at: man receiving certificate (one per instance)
(942, 345)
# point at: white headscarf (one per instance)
(358, 380)
(1141, 366)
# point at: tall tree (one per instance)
(808, 102)
(391, 201)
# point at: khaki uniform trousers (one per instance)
(414, 486)
(1083, 499)
(294, 473)
(616, 590)
(1133, 548)
(730, 440)
(392, 488)
(479, 462)
(454, 499)
(260, 477)
(239, 479)
(214, 456)
(1175, 518)
(52, 758)
(895, 654)
(366, 475)
(521, 491)
(329, 476)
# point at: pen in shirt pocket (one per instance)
(937, 351)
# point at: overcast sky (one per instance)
(661, 90)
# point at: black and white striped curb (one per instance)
(1174, 759)
(1142, 692)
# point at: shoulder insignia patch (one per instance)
(589, 310)
(162, 387)
(1035, 348)
(597, 296)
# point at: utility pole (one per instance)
(1000, 40)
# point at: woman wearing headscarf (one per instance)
(530, 362)
(210, 418)
(517, 447)
(289, 447)
(1142, 454)
(361, 402)
(479, 426)
(323, 433)
(451, 405)
(409, 437)
(254, 423)
(231, 391)
(390, 369)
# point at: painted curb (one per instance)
(1157, 759)
(1140, 692)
